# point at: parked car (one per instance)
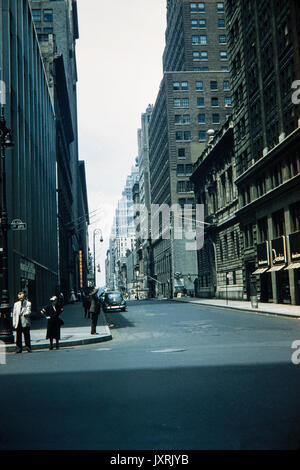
(113, 300)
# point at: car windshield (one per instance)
(115, 296)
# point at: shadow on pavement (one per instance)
(231, 407)
(118, 320)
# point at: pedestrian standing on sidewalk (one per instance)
(86, 302)
(72, 297)
(94, 309)
(52, 312)
(21, 322)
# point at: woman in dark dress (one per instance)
(52, 313)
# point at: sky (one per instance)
(119, 61)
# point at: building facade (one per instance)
(110, 267)
(31, 164)
(82, 227)
(265, 62)
(194, 97)
(56, 25)
(122, 239)
(142, 196)
(248, 176)
(220, 264)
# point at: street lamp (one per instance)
(97, 231)
(6, 335)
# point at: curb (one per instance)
(72, 342)
(76, 342)
(242, 309)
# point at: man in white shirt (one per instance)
(21, 322)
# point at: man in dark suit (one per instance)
(86, 302)
(94, 309)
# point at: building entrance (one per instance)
(283, 287)
(266, 294)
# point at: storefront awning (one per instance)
(277, 267)
(293, 266)
(260, 270)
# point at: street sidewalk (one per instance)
(76, 330)
(273, 309)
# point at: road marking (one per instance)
(168, 350)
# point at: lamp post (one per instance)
(97, 231)
(6, 335)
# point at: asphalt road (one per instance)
(175, 376)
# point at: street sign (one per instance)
(17, 224)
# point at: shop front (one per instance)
(280, 277)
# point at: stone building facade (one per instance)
(220, 268)
(260, 245)
(264, 55)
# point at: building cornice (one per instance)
(264, 160)
(270, 195)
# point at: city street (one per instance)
(176, 181)
(175, 376)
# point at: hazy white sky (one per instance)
(119, 59)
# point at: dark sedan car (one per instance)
(113, 300)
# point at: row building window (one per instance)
(42, 15)
(199, 84)
(199, 7)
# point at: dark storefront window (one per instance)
(283, 287)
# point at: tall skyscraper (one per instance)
(194, 97)
(122, 237)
